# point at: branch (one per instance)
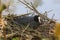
(25, 4)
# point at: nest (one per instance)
(25, 27)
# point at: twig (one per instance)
(11, 35)
(25, 4)
(53, 16)
(25, 14)
(24, 31)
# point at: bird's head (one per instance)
(37, 18)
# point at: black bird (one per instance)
(34, 21)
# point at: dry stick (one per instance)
(24, 30)
(25, 14)
(25, 4)
(11, 35)
(53, 16)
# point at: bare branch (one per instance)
(53, 16)
(25, 4)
